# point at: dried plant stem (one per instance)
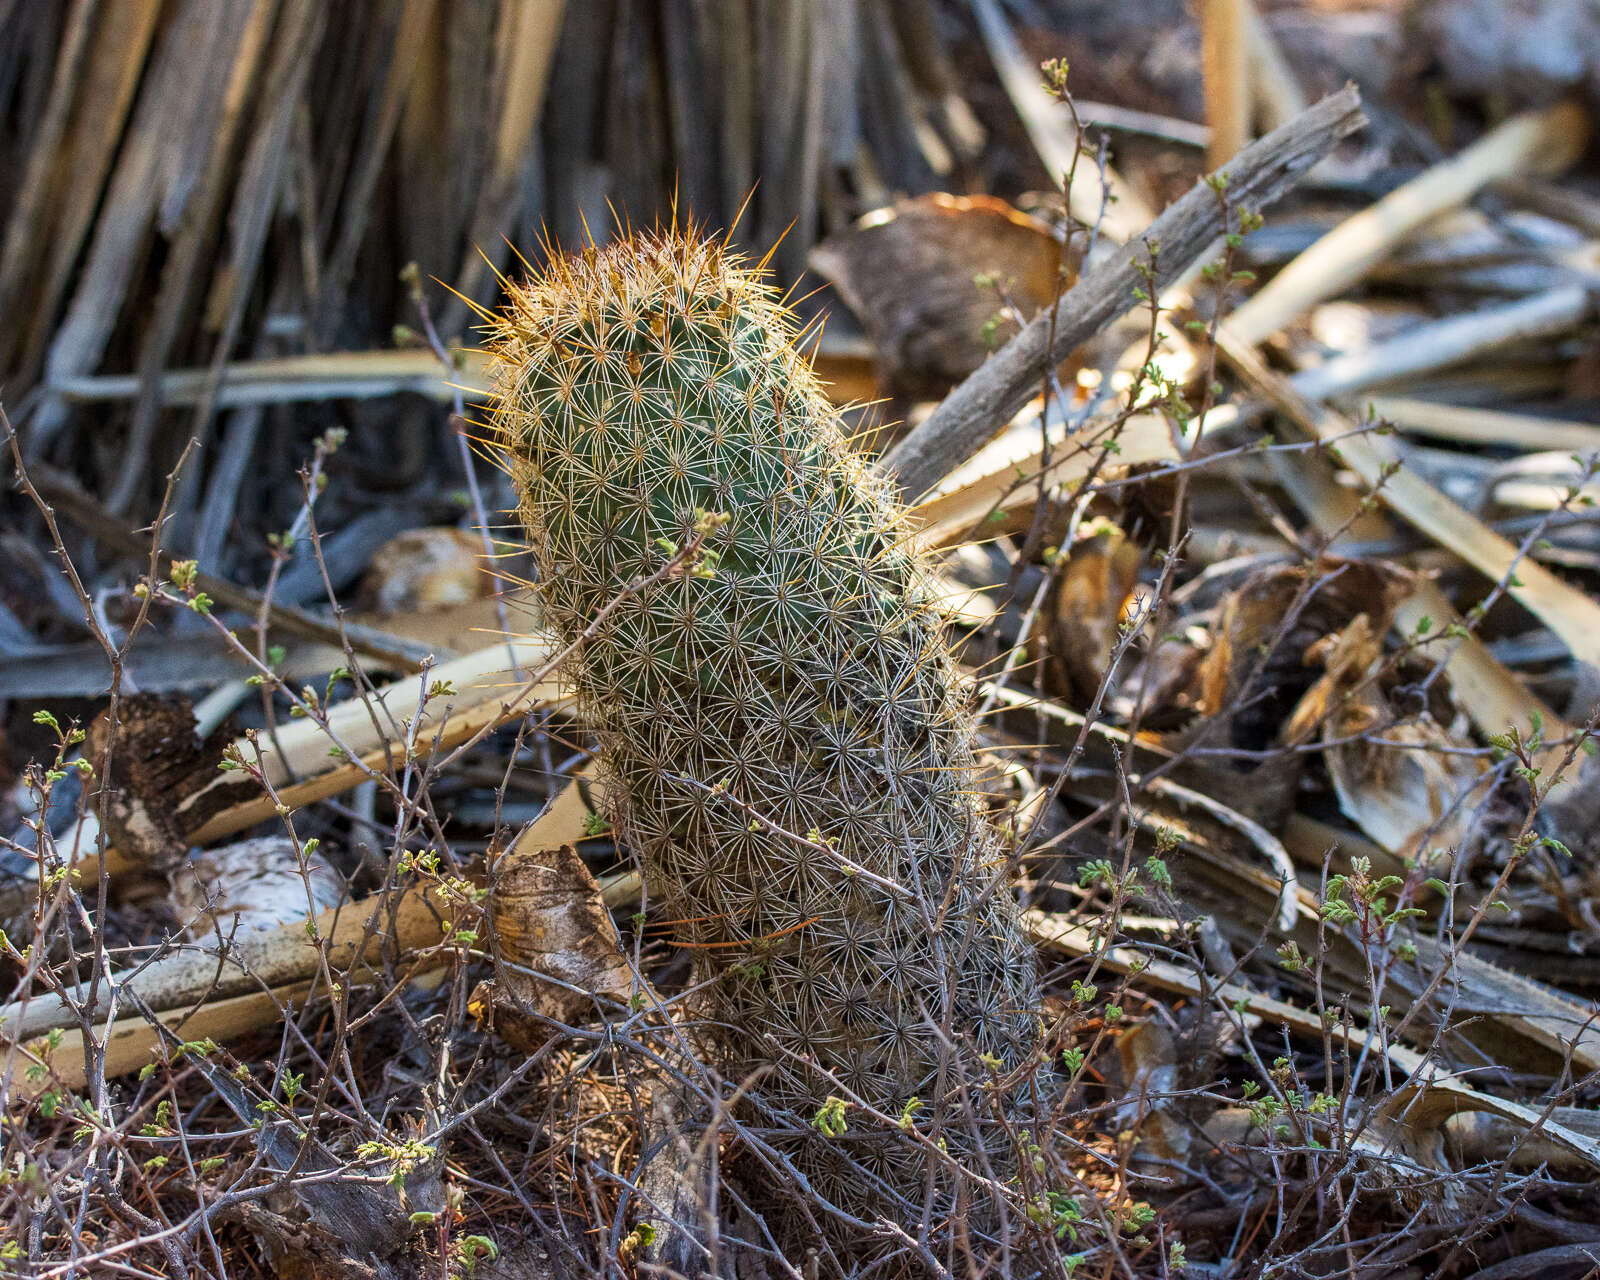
(1466, 425)
(1278, 95)
(1225, 59)
(347, 935)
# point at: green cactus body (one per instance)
(783, 730)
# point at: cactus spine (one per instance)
(783, 730)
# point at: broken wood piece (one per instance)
(157, 762)
(1481, 1138)
(252, 885)
(972, 414)
(557, 956)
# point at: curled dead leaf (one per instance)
(1256, 671)
(1406, 783)
(910, 272)
(556, 949)
(1088, 603)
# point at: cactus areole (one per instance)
(781, 723)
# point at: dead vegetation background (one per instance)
(1281, 611)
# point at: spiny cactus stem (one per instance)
(816, 846)
(783, 725)
(683, 560)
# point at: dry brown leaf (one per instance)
(909, 272)
(1256, 672)
(1088, 601)
(556, 950)
(1411, 788)
(1150, 1075)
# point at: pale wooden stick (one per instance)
(990, 483)
(1482, 686)
(1278, 95)
(1535, 142)
(167, 986)
(131, 1042)
(1446, 342)
(1570, 613)
(1225, 67)
(488, 691)
(843, 364)
(354, 934)
(1485, 426)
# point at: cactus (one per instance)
(781, 723)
